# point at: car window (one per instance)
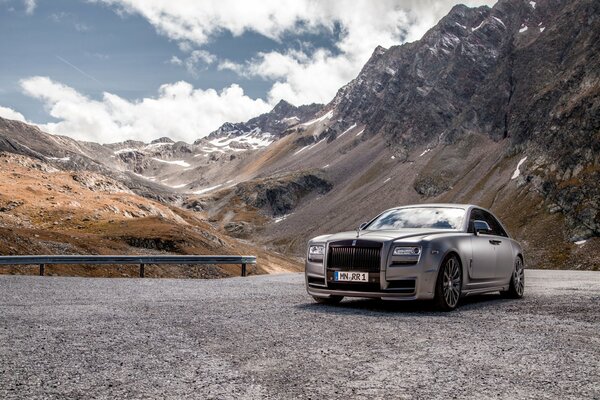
(494, 224)
(477, 214)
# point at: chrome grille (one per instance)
(348, 258)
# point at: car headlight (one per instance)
(316, 252)
(407, 251)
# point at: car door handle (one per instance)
(495, 242)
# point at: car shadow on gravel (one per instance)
(362, 306)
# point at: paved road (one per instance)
(263, 337)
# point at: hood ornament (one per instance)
(360, 228)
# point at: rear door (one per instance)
(483, 259)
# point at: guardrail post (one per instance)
(244, 269)
(142, 270)
(42, 268)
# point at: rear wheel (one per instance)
(517, 282)
(328, 300)
(449, 284)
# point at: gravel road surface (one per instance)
(263, 337)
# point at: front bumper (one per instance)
(393, 282)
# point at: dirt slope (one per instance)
(44, 210)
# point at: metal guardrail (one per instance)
(42, 261)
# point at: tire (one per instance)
(331, 300)
(516, 288)
(448, 287)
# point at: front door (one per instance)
(502, 246)
(483, 260)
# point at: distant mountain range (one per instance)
(495, 106)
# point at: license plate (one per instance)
(340, 276)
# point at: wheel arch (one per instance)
(449, 253)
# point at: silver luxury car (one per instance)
(431, 251)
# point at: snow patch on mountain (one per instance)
(155, 146)
(254, 139)
(148, 178)
(321, 118)
(282, 218)
(178, 186)
(208, 189)
(517, 172)
(310, 146)
(64, 159)
(122, 151)
(478, 26)
(180, 163)
(499, 20)
(291, 120)
(347, 130)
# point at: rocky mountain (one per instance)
(262, 130)
(524, 71)
(494, 106)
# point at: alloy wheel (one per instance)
(519, 277)
(452, 282)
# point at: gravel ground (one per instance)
(263, 337)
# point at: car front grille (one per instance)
(364, 256)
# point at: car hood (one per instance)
(384, 235)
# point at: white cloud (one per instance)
(298, 77)
(29, 6)
(197, 60)
(81, 27)
(176, 61)
(9, 113)
(178, 111)
(202, 56)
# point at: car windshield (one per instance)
(419, 217)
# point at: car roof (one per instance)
(446, 205)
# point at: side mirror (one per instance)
(364, 224)
(480, 226)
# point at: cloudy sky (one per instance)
(110, 70)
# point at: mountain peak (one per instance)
(282, 103)
(163, 139)
(282, 107)
(379, 50)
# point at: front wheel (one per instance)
(517, 282)
(331, 300)
(449, 284)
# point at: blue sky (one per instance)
(102, 69)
